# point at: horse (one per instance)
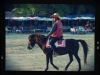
(71, 48)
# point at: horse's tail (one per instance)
(85, 48)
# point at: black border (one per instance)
(50, 72)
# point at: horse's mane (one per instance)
(40, 38)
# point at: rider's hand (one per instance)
(47, 36)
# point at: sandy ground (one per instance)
(19, 58)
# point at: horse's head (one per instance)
(36, 38)
(31, 42)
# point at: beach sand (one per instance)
(19, 58)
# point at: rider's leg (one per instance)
(53, 40)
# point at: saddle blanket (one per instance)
(59, 43)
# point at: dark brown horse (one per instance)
(72, 47)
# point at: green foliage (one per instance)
(81, 10)
(43, 9)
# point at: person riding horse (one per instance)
(56, 32)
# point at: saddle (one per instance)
(59, 43)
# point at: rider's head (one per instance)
(55, 16)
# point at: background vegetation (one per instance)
(48, 9)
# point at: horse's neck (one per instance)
(40, 45)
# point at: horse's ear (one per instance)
(29, 38)
(32, 37)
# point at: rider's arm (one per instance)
(53, 30)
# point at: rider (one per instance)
(56, 32)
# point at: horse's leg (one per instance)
(47, 62)
(78, 60)
(51, 61)
(70, 61)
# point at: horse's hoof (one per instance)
(45, 69)
(57, 68)
(78, 70)
(65, 69)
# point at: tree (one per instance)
(48, 9)
(90, 9)
(63, 9)
(24, 9)
(81, 9)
